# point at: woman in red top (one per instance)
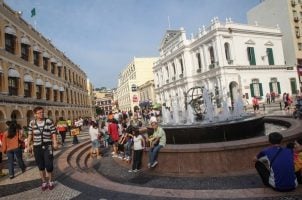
(10, 146)
(113, 132)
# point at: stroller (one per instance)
(298, 109)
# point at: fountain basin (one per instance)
(219, 157)
(215, 132)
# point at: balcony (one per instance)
(30, 101)
(296, 19)
(198, 70)
(298, 34)
(293, 2)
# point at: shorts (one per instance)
(44, 157)
(95, 144)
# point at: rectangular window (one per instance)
(13, 86)
(24, 51)
(45, 63)
(300, 46)
(47, 93)
(270, 56)
(36, 58)
(181, 66)
(10, 41)
(251, 55)
(27, 89)
(198, 60)
(293, 85)
(39, 91)
(59, 71)
(61, 96)
(53, 67)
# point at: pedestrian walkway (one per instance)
(78, 177)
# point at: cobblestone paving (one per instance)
(27, 185)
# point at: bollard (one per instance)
(263, 107)
(280, 106)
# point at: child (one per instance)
(138, 146)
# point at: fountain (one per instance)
(208, 140)
(204, 123)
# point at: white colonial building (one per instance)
(229, 59)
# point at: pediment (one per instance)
(250, 42)
(169, 36)
(269, 43)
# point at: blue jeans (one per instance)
(10, 156)
(153, 153)
(127, 148)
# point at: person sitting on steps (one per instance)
(275, 165)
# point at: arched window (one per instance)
(227, 52)
(133, 87)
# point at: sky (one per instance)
(103, 36)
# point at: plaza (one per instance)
(78, 177)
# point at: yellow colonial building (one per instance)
(136, 73)
(33, 72)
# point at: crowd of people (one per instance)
(129, 135)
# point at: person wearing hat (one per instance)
(158, 141)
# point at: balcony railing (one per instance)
(29, 101)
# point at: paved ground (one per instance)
(105, 179)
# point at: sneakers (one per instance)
(44, 186)
(51, 185)
(136, 170)
(130, 170)
(149, 165)
(114, 156)
(154, 164)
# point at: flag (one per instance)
(33, 12)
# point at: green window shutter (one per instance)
(270, 86)
(261, 90)
(279, 88)
(270, 56)
(293, 86)
(252, 90)
(253, 59)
